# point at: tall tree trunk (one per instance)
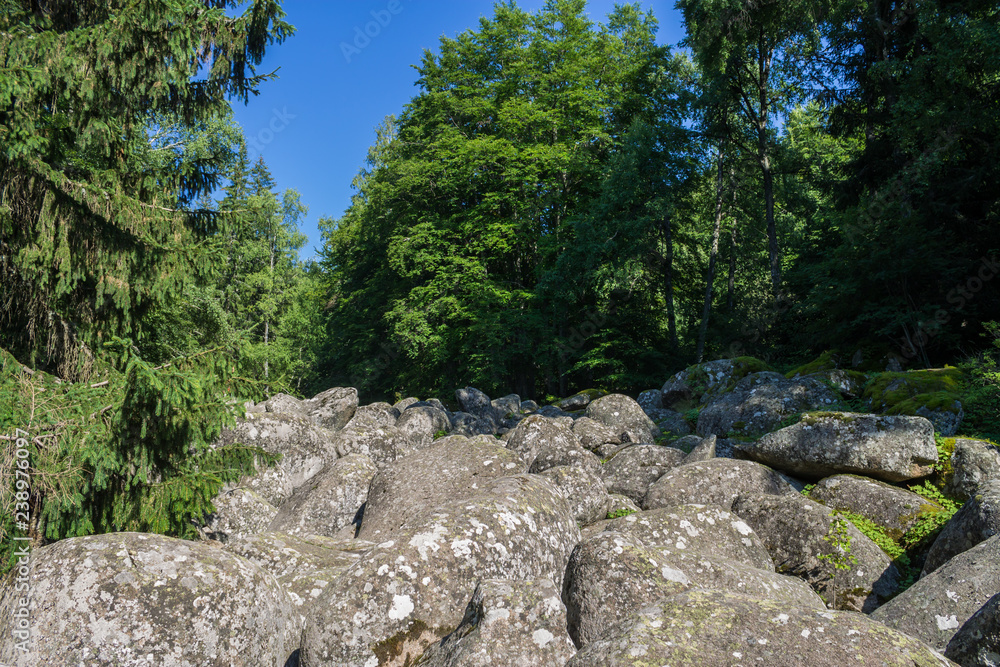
(668, 240)
(712, 256)
(731, 296)
(772, 230)
(764, 58)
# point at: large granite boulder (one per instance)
(793, 529)
(148, 601)
(610, 575)
(977, 521)
(330, 501)
(595, 436)
(450, 469)
(690, 386)
(333, 408)
(894, 449)
(712, 627)
(977, 642)
(539, 438)
(973, 462)
(410, 590)
(624, 417)
(759, 402)
(418, 426)
(478, 404)
(631, 470)
(890, 507)
(714, 482)
(937, 605)
(509, 622)
(238, 513)
(706, 529)
(304, 448)
(584, 492)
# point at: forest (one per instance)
(564, 204)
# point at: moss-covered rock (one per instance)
(823, 362)
(933, 393)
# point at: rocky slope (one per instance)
(597, 531)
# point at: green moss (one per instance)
(618, 513)
(938, 401)
(389, 649)
(813, 418)
(823, 362)
(887, 390)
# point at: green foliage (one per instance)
(981, 399)
(618, 513)
(823, 362)
(131, 452)
(840, 556)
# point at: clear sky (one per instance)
(314, 124)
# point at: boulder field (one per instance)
(595, 531)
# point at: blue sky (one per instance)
(314, 124)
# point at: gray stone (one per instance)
(333, 408)
(417, 426)
(149, 601)
(584, 492)
(977, 521)
(759, 402)
(888, 506)
(574, 402)
(285, 404)
(553, 457)
(946, 422)
(409, 591)
(712, 627)
(379, 415)
(507, 405)
(382, 444)
(330, 501)
(935, 607)
(305, 449)
(681, 393)
(703, 451)
(529, 406)
(593, 434)
(706, 529)
(463, 423)
(449, 470)
(514, 623)
(477, 403)
(238, 513)
(894, 449)
(624, 417)
(537, 436)
(793, 529)
(714, 482)
(404, 403)
(611, 575)
(977, 642)
(651, 399)
(973, 462)
(669, 422)
(633, 469)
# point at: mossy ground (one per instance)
(824, 362)
(932, 387)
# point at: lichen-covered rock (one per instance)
(584, 491)
(286, 405)
(624, 417)
(382, 444)
(714, 482)
(477, 403)
(328, 502)
(703, 451)
(692, 384)
(137, 600)
(711, 627)
(793, 529)
(610, 575)
(507, 406)
(537, 436)
(452, 468)
(670, 422)
(977, 642)
(463, 423)
(977, 521)
(935, 607)
(305, 449)
(894, 449)
(238, 513)
(706, 529)
(404, 403)
(759, 402)
(651, 399)
(888, 506)
(632, 469)
(380, 415)
(513, 623)
(410, 591)
(333, 408)
(973, 462)
(593, 434)
(304, 565)
(553, 457)
(417, 426)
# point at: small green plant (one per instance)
(620, 512)
(807, 488)
(840, 556)
(691, 416)
(440, 434)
